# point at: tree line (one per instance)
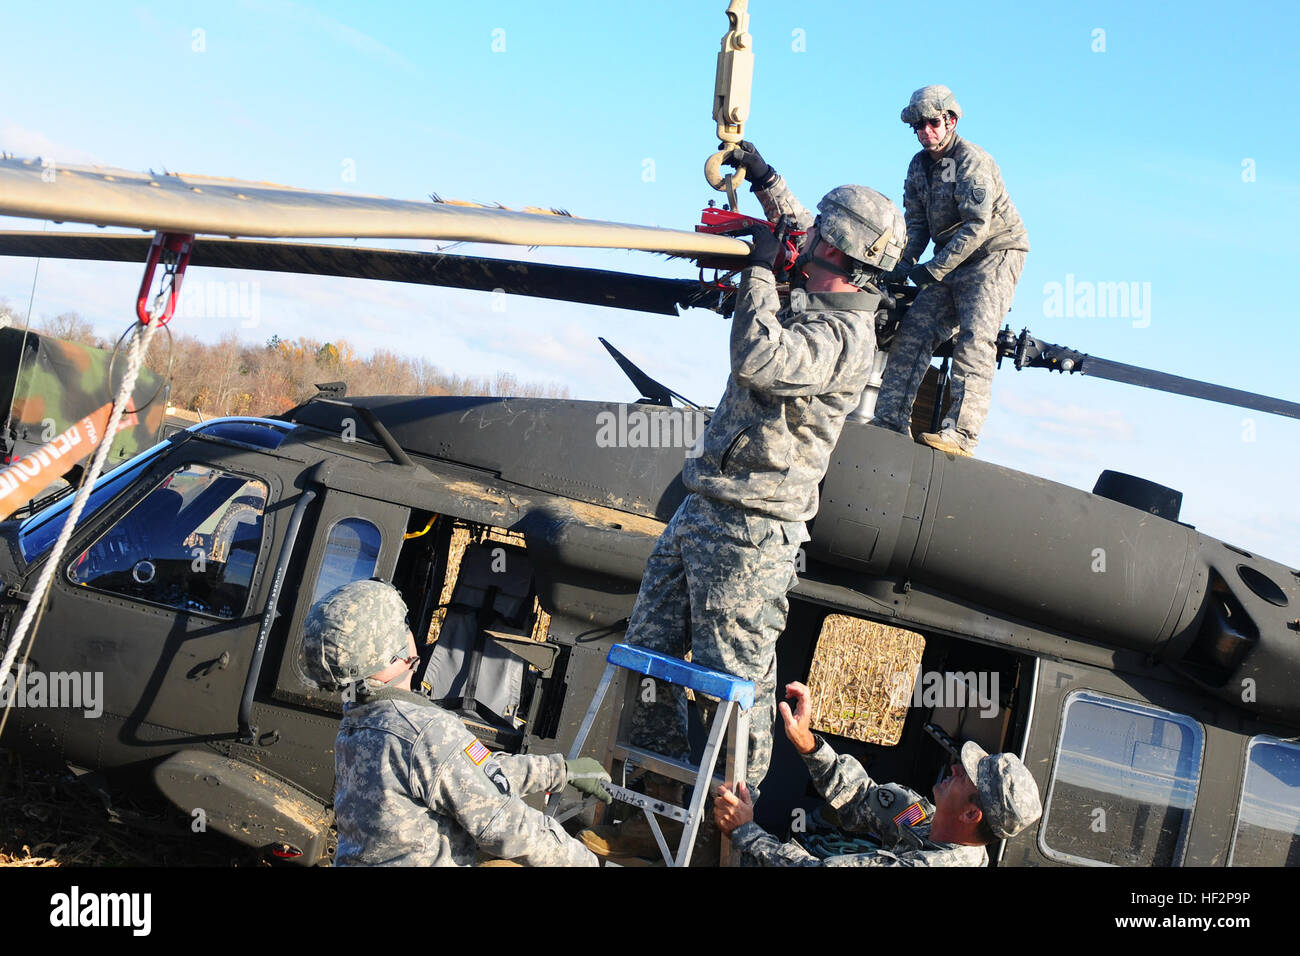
(232, 377)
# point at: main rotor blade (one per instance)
(617, 290)
(1147, 378)
(230, 207)
(1029, 352)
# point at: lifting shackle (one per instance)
(731, 89)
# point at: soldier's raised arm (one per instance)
(804, 359)
(842, 781)
(776, 198)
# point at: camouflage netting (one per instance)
(862, 677)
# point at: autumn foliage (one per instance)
(232, 377)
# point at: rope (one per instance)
(36, 604)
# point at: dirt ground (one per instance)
(49, 818)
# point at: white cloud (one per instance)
(1069, 420)
(361, 42)
(29, 144)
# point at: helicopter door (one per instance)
(160, 599)
(355, 538)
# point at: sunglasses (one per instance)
(934, 122)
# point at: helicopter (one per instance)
(1145, 672)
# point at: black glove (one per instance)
(921, 276)
(743, 155)
(896, 275)
(766, 247)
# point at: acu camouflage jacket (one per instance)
(796, 373)
(899, 817)
(960, 202)
(415, 788)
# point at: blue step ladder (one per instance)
(736, 697)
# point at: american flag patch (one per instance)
(477, 752)
(911, 816)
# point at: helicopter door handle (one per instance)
(203, 670)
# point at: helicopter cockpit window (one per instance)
(191, 544)
(1124, 784)
(1268, 820)
(351, 553)
(41, 530)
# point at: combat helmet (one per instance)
(353, 632)
(866, 226)
(929, 102)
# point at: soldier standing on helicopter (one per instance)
(954, 195)
(716, 583)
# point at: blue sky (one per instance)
(1159, 152)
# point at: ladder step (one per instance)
(661, 807)
(681, 770)
(684, 673)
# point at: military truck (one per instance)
(49, 384)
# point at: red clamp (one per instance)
(726, 222)
(172, 249)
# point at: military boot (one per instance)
(946, 441)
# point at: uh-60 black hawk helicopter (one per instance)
(1160, 693)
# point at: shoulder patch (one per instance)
(885, 797)
(979, 194)
(912, 815)
(498, 777)
(477, 752)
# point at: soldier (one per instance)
(983, 798)
(716, 583)
(954, 195)
(413, 787)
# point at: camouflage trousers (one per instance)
(715, 585)
(969, 303)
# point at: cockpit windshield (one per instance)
(37, 533)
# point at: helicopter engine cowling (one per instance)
(1076, 562)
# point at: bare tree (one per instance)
(232, 378)
(71, 327)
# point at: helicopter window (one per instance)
(1124, 784)
(1268, 820)
(38, 532)
(351, 554)
(190, 544)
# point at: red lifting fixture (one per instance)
(172, 249)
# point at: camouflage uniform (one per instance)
(415, 788)
(883, 809)
(716, 583)
(959, 200)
